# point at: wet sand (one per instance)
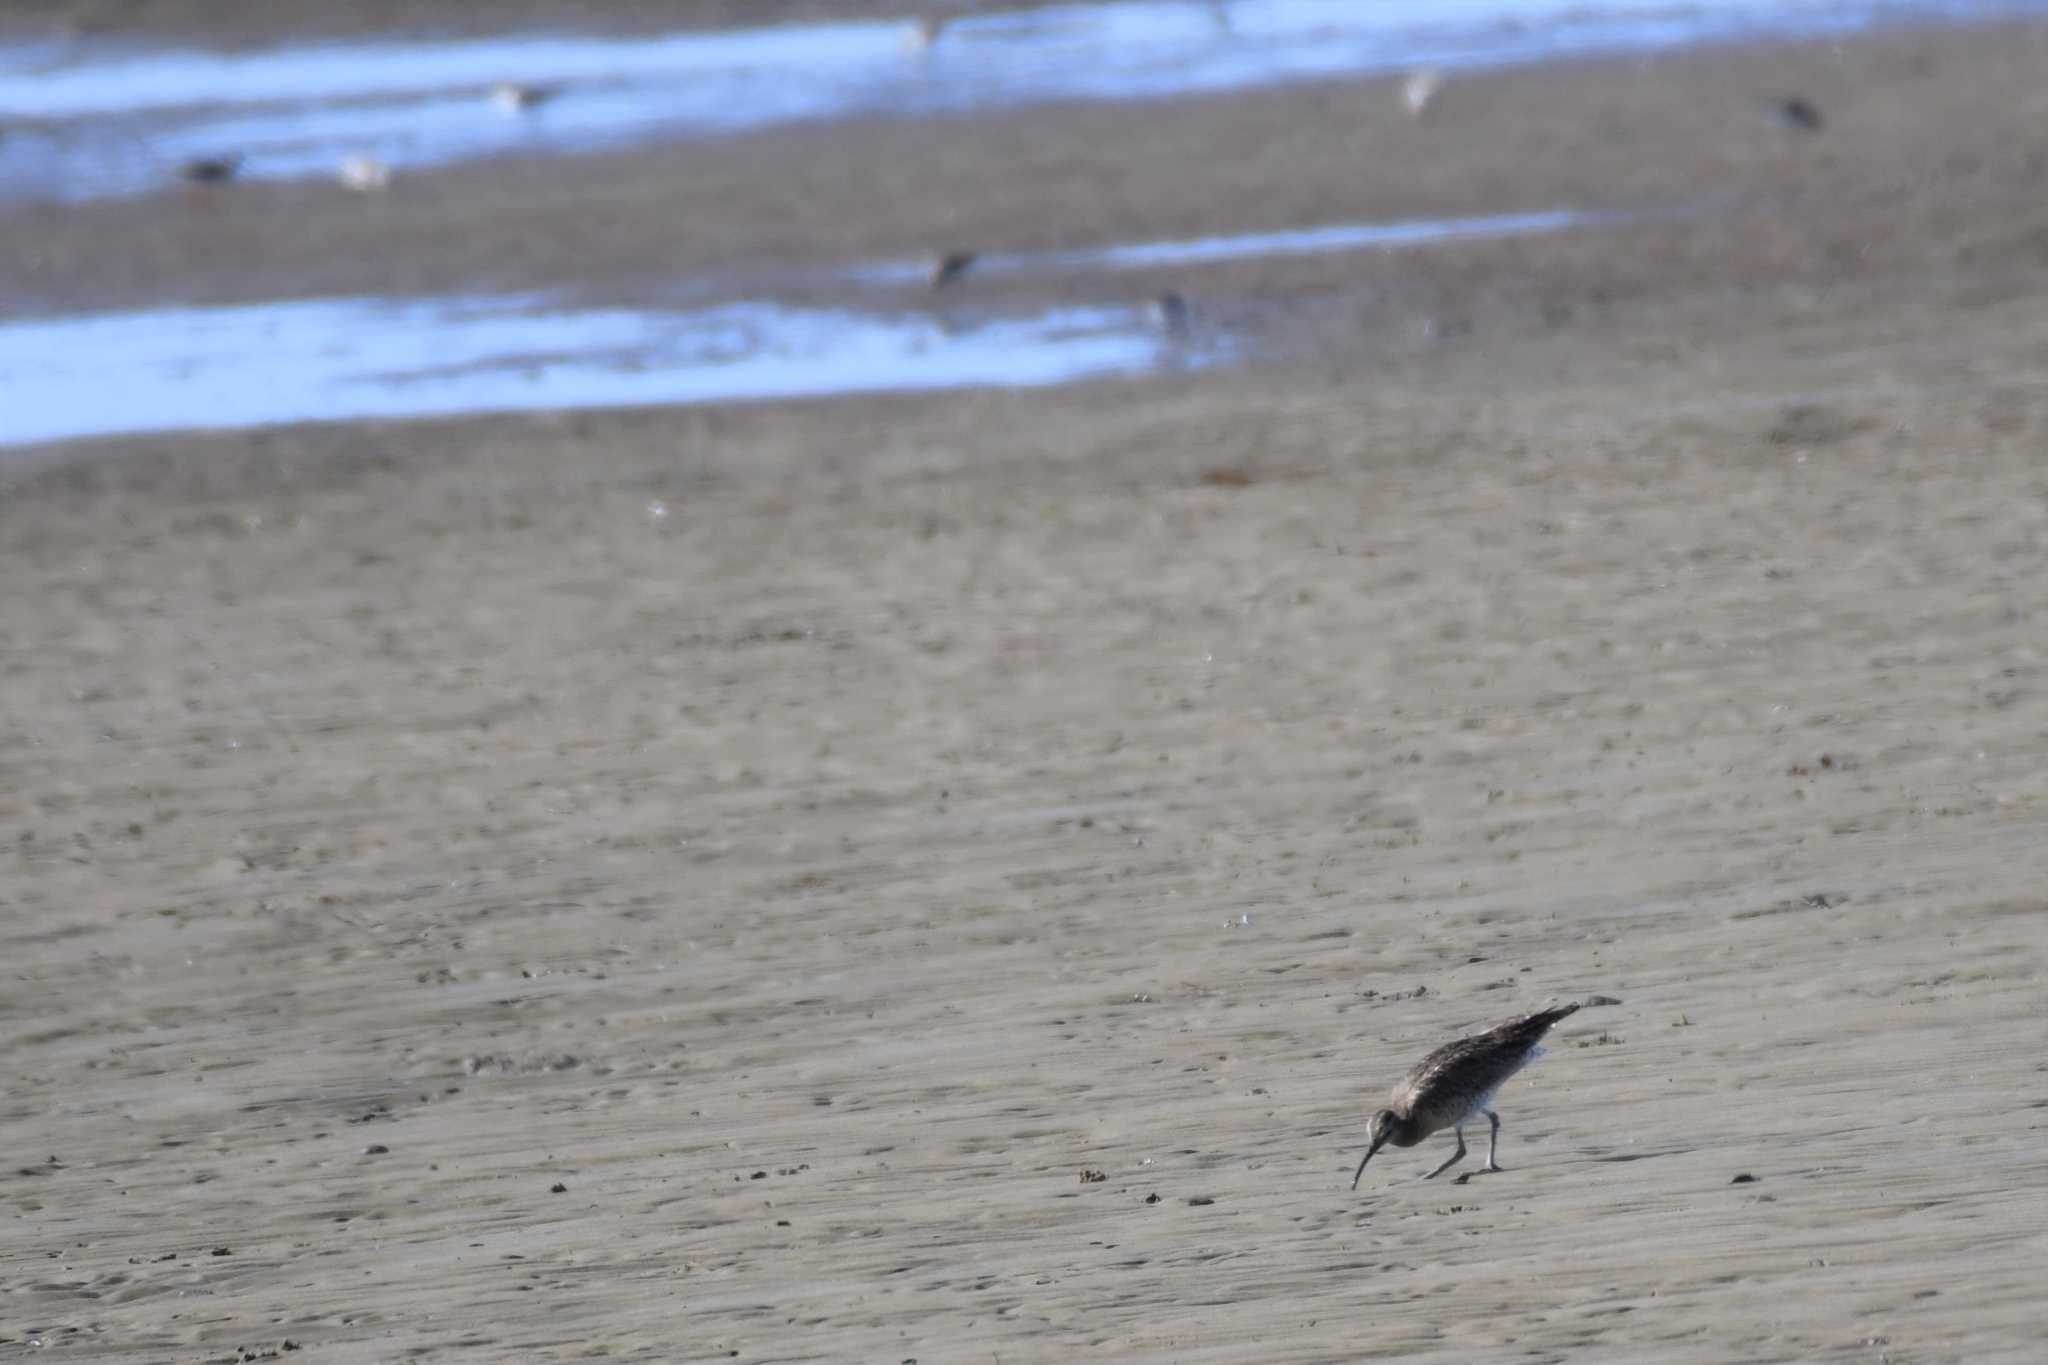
(1932, 145)
(705, 884)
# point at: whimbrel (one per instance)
(1455, 1082)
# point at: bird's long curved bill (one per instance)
(1361, 1164)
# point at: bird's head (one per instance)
(1383, 1127)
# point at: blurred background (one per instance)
(238, 217)
(830, 680)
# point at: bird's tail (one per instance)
(1536, 1025)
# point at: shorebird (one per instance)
(365, 174)
(1799, 113)
(512, 99)
(1169, 313)
(920, 33)
(1455, 1082)
(210, 170)
(1420, 90)
(947, 267)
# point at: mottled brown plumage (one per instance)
(1455, 1082)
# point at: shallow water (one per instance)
(95, 118)
(335, 359)
(1247, 246)
(352, 358)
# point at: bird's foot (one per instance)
(1456, 1157)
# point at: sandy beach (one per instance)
(706, 883)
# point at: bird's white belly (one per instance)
(1483, 1103)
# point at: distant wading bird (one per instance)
(919, 34)
(949, 266)
(1420, 90)
(364, 174)
(1798, 113)
(1455, 1082)
(1169, 313)
(210, 170)
(513, 99)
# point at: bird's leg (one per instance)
(1493, 1142)
(1456, 1156)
